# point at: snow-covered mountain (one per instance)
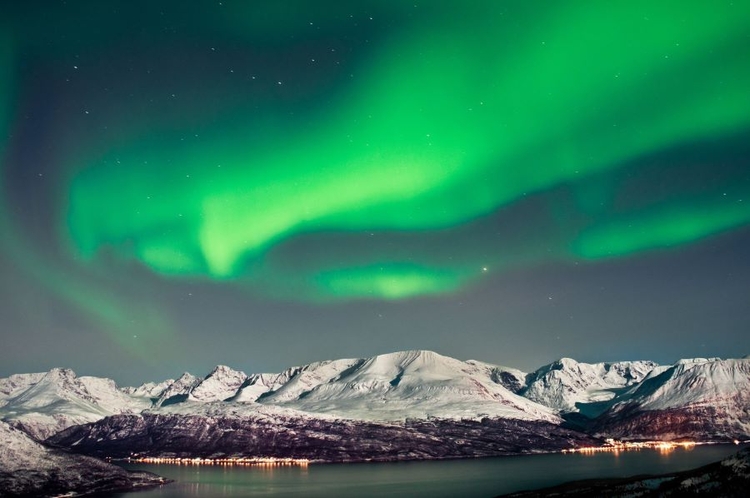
(296, 381)
(695, 382)
(409, 385)
(693, 398)
(150, 390)
(389, 387)
(566, 384)
(220, 384)
(178, 390)
(28, 468)
(259, 384)
(59, 399)
(397, 406)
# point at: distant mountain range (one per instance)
(404, 405)
(696, 398)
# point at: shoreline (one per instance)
(663, 447)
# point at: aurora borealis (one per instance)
(513, 181)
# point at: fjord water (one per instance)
(484, 477)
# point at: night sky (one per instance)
(263, 184)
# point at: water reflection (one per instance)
(466, 478)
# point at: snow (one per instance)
(700, 382)
(220, 384)
(300, 380)
(179, 389)
(257, 385)
(567, 384)
(387, 388)
(148, 389)
(705, 396)
(59, 400)
(255, 411)
(511, 378)
(111, 398)
(390, 387)
(408, 384)
(16, 384)
(18, 450)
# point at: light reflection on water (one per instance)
(468, 478)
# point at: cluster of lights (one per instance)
(244, 461)
(612, 445)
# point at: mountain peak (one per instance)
(60, 373)
(565, 363)
(60, 399)
(222, 383)
(412, 353)
(178, 390)
(220, 369)
(400, 385)
(186, 377)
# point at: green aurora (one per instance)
(452, 117)
(446, 123)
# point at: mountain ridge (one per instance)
(607, 398)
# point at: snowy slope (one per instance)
(150, 390)
(704, 398)
(107, 395)
(29, 469)
(512, 379)
(59, 399)
(390, 387)
(566, 384)
(220, 384)
(257, 385)
(18, 450)
(16, 384)
(408, 384)
(238, 411)
(694, 382)
(300, 380)
(178, 390)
